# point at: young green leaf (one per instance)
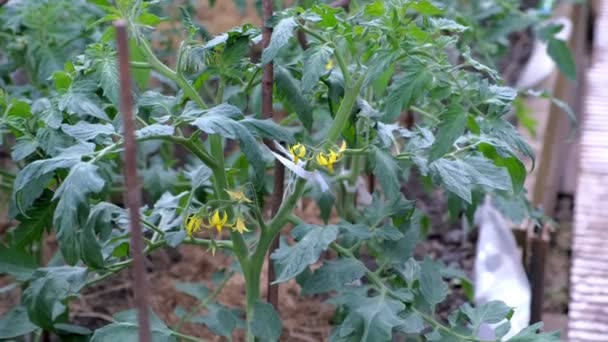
(561, 54)
(126, 329)
(314, 61)
(281, 34)
(289, 89)
(219, 319)
(333, 275)
(387, 171)
(294, 259)
(46, 296)
(416, 78)
(15, 323)
(432, 286)
(265, 322)
(73, 207)
(451, 128)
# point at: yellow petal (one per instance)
(322, 159)
(215, 219)
(238, 196)
(240, 226)
(342, 146)
(329, 65)
(224, 218)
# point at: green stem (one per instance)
(342, 64)
(346, 107)
(186, 337)
(424, 113)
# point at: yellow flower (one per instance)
(329, 65)
(217, 221)
(297, 151)
(238, 196)
(193, 224)
(239, 226)
(327, 159)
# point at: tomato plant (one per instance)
(342, 98)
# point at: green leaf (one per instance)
(313, 64)
(126, 329)
(416, 78)
(454, 178)
(196, 290)
(15, 323)
(561, 54)
(413, 323)
(200, 176)
(33, 223)
(333, 275)
(73, 207)
(492, 312)
(85, 131)
(295, 259)
(17, 263)
(530, 334)
(62, 80)
(426, 7)
(268, 129)
(514, 166)
(375, 8)
(47, 295)
(451, 128)
(370, 319)
(478, 65)
(149, 19)
(432, 286)
(80, 100)
(290, 91)
(387, 171)
(219, 319)
(483, 172)
(106, 71)
(24, 147)
(156, 129)
(445, 24)
(281, 34)
(212, 123)
(265, 322)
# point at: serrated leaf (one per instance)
(451, 128)
(289, 89)
(219, 319)
(24, 147)
(387, 171)
(268, 129)
(492, 312)
(454, 178)
(17, 263)
(445, 24)
(33, 223)
(370, 319)
(85, 131)
(426, 7)
(281, 34)
(126, 329)
(15, 323)
(156, 129)
(33, 178)
(333, 275)
(413, 323)
(530, 334)
(416, 78)
(106, 70)
(561, 54)
(73, 207)
(294, 259)
(196, 290)
(80, 100)
(265, 322)
(212, 123)
(314, 61)
(47, 295)
(432, 287)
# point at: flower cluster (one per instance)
(325, 159)
(219, 219)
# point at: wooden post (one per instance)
(132, 191)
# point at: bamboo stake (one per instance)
(132, 192)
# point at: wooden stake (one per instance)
(132, 191)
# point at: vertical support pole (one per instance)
(279, 169)
(537, 276)
(132, 192)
